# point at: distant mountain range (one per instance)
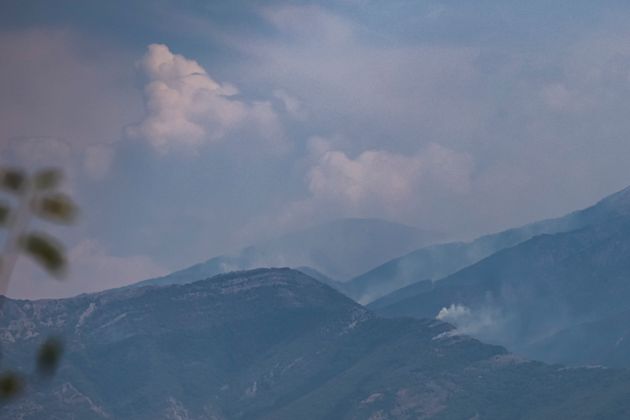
(438, 261)
(496, 288)
(605, 341)
(277, 344)
(339, 250)
(560, 297)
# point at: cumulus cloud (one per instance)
(375, 183)
(520, 113)
(186, 108)
(383, 179)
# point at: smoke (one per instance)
(486, 321)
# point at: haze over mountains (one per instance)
(361, 257)
(539, 290)
(545, 296)
(308, 209)
(277, 344)
(340, 250)
(282, 344)
(438, 261)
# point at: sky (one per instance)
(189, 129)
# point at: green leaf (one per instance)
(11, 384)
(49, 356)
(5, 213)
(57, 208)
(46, 251)
(12, 180)
(47, 179)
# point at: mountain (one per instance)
(521, 295)
(438, 261)
(320, 277)
(413, 289)
(605, 342)
(277, 344)
(339, 250)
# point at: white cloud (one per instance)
(555, 116)
(373, 184)
(386, 181)
(186, 108)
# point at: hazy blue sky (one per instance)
(190, 128)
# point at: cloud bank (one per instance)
(434, 115)
(186, 108)
(382, 176)
(385, 182)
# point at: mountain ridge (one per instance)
(438, 261)
(275, 343)
(338, 249)
(538, 288)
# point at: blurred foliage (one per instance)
(47, 179)
(13, 180)
(46, 251)
(36, 196)
(49, 356)
(57, 208)
(11, 385)
(5, 213)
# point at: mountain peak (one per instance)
(237, 282)
(274, 278)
